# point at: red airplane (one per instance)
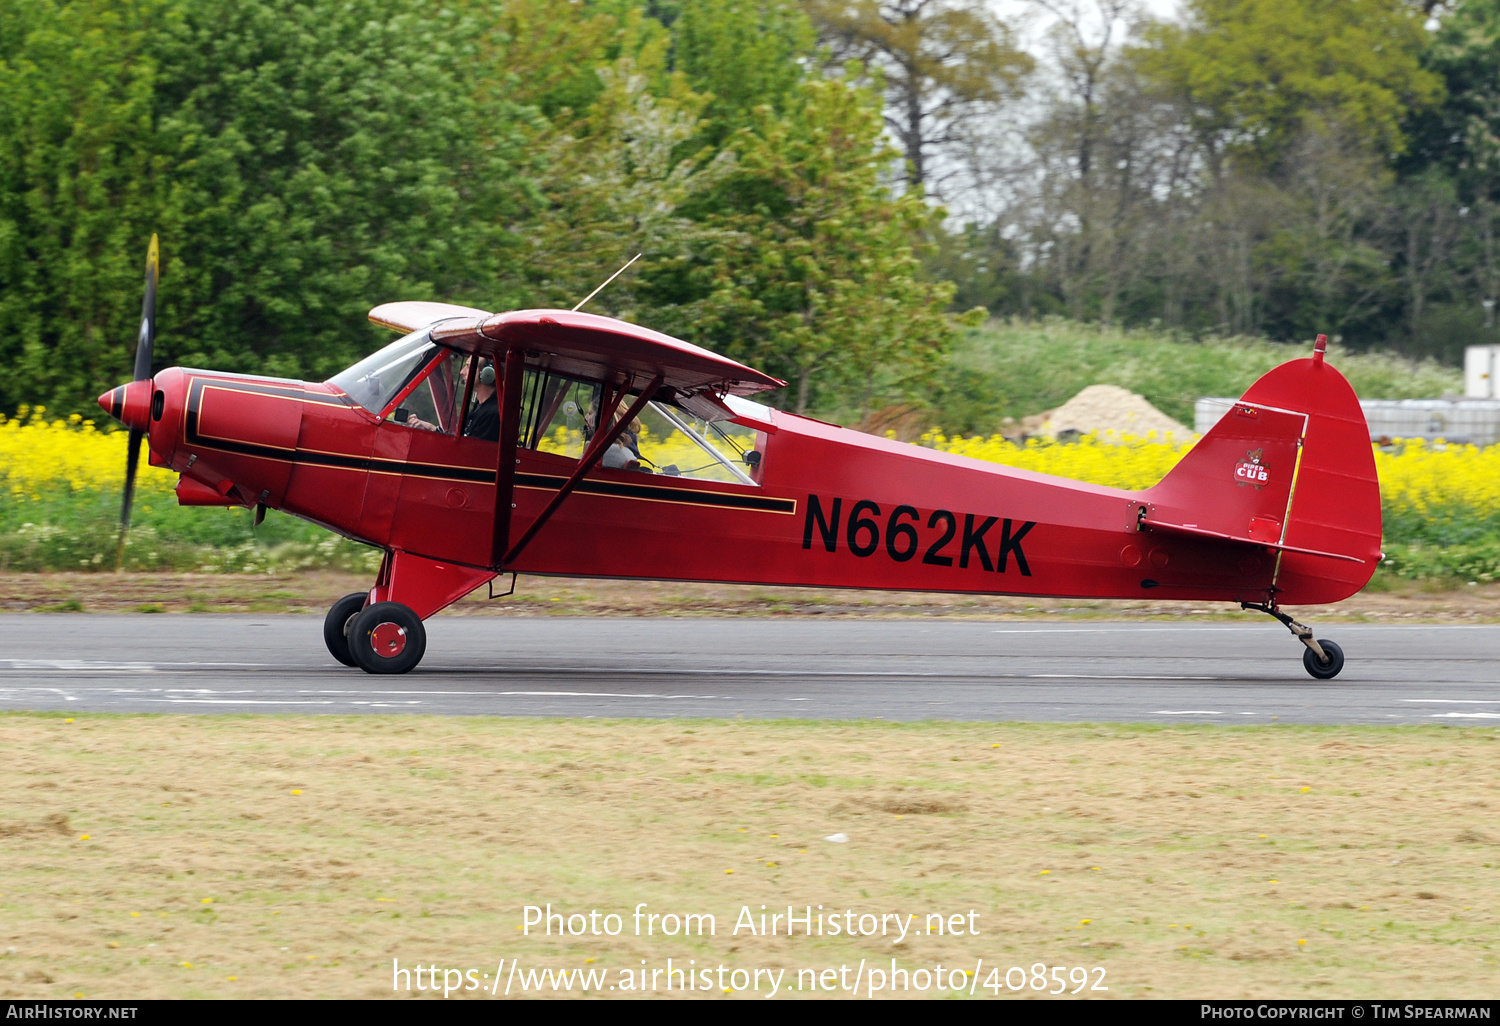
(536, 442)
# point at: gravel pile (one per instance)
(1104, 408)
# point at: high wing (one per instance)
(597, 348)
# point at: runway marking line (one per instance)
(1454, 701)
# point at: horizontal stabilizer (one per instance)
(1199, 532)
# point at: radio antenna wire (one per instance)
(611, 278)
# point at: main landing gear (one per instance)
(384, 637)
(381, 631)
(336, 625)
(1322, 659)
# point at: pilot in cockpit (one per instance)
(483, 421)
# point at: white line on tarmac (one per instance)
(1455, 701)
(425, 694)
(238, 701)
(1120, 630)
(1464, 716)
(1108, 676)
(269, 701)
(97, 665)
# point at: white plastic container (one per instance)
(1474, 421)
(1482, 372)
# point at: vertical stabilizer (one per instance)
(1290, 467)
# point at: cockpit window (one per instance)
(434, 399)
(377, 379)
(675, 443)
(558, 416)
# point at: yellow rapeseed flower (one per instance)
(1415, 476)
(39, 456)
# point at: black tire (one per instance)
(1327, 669)
(387, 638)
(336, 625)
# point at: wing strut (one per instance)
(598, 445)
(505, 467)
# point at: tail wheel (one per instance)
(387, 637)
(336, 626)
(1324, 669)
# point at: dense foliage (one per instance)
(305, 162)
(297, 159)
(1258, 167)
(1266, 168)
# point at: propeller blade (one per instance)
(145, 342)
(132, 461)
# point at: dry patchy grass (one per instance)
(1392, 601)
(147, 856)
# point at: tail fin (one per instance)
(1289, 468)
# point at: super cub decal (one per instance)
(1251, 471)
(863, 532)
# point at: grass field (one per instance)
(1017, 368)
(280, 856)
(1385, 601)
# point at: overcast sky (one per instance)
(1032, 20)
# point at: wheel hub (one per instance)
(388, 639)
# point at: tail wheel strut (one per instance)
(1323, 659)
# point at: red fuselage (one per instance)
(832, 507)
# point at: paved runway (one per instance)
(828, 669)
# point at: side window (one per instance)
(433, 404)
(672, 442)
(560, 418)
(559, 414)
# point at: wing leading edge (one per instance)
(588, 346)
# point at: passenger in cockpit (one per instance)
(624, 454)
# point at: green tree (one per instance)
(743, 54)
(941, 62)
(302, 162)
(1254, 71)
(815, 279)
(326, 157)
(617, 185)
(79, 193)
(1462, 135)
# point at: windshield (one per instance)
(374, 381)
